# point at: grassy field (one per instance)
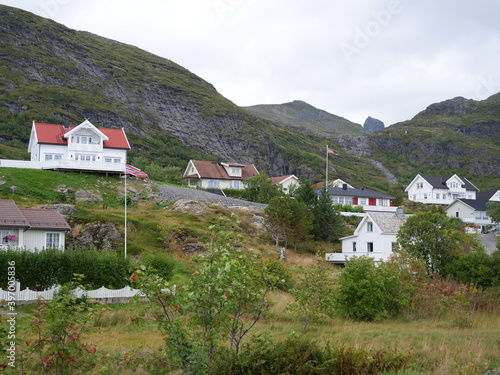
(436, 347)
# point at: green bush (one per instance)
(300, 356)
(164, 265)
(368, 292)
(42, 269)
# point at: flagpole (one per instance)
(125, 210)
(326, 167)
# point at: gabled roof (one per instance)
(30, 218)
(359, 193)
(486, 195)
(55, 134)
(336, 182)
(11, 215)
(214, 170)
(280, 179)
(41, 219)
(476, 204)
(439, 182)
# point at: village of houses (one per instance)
(88, 148)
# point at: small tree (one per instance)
(314, 293)
(435, 238)
(305, 193)
(290, 217)
(260, 189)
(328, 223)
(493, 211)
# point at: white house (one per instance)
(471, 211)
(33, 229)
(218, 175)
(286, 182)
(375, 237)
(82, 147)
(369, 200)
(440, 189)
(333, 183)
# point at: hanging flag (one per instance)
(134, 171)
(330, 151)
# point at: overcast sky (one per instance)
(388, 59)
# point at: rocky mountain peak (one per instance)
(458, 106)
(372, 125)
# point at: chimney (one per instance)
(400, 212)
(66, 124)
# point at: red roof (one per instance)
(213, 170)
(54, 134)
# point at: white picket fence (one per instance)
(28, 295)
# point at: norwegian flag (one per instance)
(134, 171)
(330, 151)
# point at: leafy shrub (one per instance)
(368, 292)
(163, 265)
(42, 269)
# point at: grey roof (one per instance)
(439, 182)
(388, 222)
(476, 204)
(485, 195)
(360, 193)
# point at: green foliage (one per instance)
(260, 189)
(42, 269)
(328, 224)
(222, 302)
(289, 220)
(434, 237)
(297, 355)
(57, 344)
(305, 193)
(314, 293)
(493, 211)
(367, 291)
(476, 268)
(164, 265)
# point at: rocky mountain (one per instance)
(301, 114)
(372, 125)
(53, 74)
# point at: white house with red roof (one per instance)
(82, 147)
(30, 228)
(218, 175)
(286, 182)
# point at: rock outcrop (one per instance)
(373, 125)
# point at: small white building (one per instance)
(375, 237)
(441, 190)
(470, 211)
(286, 182)
(218, 175)
(82, 147)
(29, 228)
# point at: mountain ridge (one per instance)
(50, 73)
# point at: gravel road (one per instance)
(172, 193)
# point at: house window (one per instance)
(425, 195)
(83, 139)
(383, 202)
(52, 240)
(363, 201)
(420, 185)
(369, 247)
(438, 195)
(213, 183)
(53, 156)
(85, 157)
(235, 171)
(3, 237)
(369, 226)
(236, 184)
(354, 247)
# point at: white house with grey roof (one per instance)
(375, 237)
(369, 200)
(470, 211)
(441, 190)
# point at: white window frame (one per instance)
(51, 238)
(369, 226)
